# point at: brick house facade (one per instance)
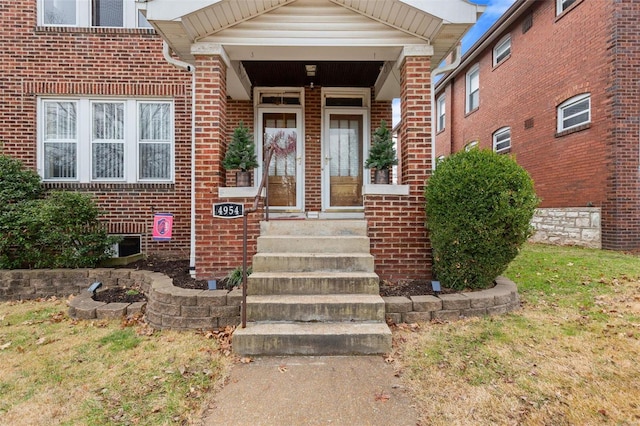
(140, 117)
(558, 90)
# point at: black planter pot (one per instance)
(381, 176)
(243, 178)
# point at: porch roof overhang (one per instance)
(281, 33)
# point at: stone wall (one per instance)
(168, 306)
(578, 226)
(500, 299)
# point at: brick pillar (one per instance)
(399, 240)
(211, 131)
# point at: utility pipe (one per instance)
(190, 68)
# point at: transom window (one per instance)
(574, 112)
(502, 50)
(440, 107)
(562, 5)
(91, 13)
(91, 140)
(502, 140)
(473, 88)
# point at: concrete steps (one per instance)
(313, 291)
(312, 339)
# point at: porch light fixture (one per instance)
(311, 70)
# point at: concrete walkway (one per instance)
(337, 390)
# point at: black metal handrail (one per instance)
(256, 202)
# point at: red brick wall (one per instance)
(592, 47)
(81, 62)
(399, 240)
(554, 60)
(621, 209)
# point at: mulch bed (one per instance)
(179, 271)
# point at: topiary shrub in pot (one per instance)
(479, 206)
(382, 154)
(241, 155)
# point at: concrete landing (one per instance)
(311, 390)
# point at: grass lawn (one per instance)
(57, 370)
(570, 356)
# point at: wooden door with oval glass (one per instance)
(281, 131)
(343, 160)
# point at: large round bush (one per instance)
(479, 206)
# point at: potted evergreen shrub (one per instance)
(241, 155)
(382, 154)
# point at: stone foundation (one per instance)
(575, 226)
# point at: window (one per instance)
(94, 140)
(502, 140)
(502, 50)
(91, 13)
(471, 145)
(574, 112)
(440, 112)
(562, 5)
(473, 88)
(439, 160)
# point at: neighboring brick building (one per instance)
(555, 83)
(140, 117)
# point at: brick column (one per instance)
(399, 240)
(211, 131)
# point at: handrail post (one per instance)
(245, 224)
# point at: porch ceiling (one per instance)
(328, 74)
(281, 34)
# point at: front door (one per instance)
(281, 129)
(343, 159)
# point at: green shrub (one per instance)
(479, 206)
(17, 183)
(59, 231)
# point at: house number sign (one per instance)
(228, 210)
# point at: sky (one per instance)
(495, 9)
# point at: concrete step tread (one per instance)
(314, 255)
(314, 227)
(315, 274)
(319, 328)
(315, 299)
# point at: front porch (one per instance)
(320, 75)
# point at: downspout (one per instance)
(190, 68)
(440, 70)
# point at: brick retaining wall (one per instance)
(500, 299)
(171, 307)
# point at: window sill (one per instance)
(468, 113)
(108, 185)
(377, 189)
(497, 65)
(573, 130)
(238, 192)
(567, 10)
(45, 29)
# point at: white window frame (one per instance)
(84, 143)
(563, 107)
(502, 50)
(441, 111)
(471, 145)
(471, 88)
(562, 5)
(501, 132)
(131, 11)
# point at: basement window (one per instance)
(130, 245)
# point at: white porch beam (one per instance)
(211, 49)
(414, 50)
